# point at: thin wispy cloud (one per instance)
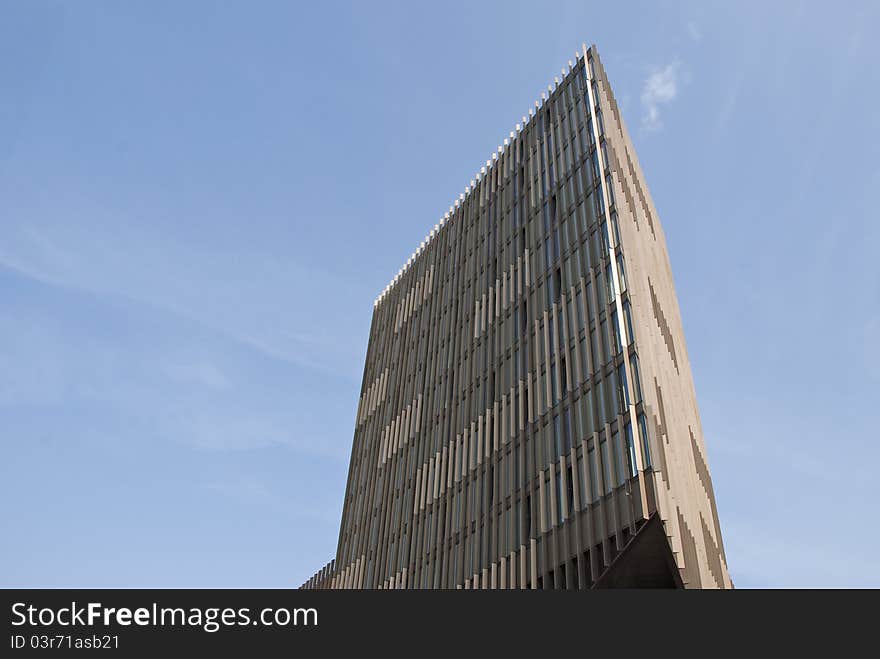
(660, 89)
(694, 31)
(233, 294)
(203, 374)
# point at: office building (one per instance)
(527, 416)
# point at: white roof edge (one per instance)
(471, 189)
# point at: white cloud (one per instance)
(660, 88)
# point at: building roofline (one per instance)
(484, 171)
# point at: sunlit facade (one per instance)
(527, 416)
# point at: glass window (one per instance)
(557, 438)
(566, 430)
(516, 522)
(621, 273)
(548, 254)
(615, 333)
(594, 349)
(611, 396)
(603, 237)
(600, 402)
(540, 449)
(527, 523)
(547, 508)
(580, 421)
(594, 475)
(599, 203)
(630, 449)
(589, 414)
(606, 348)
(622, 389)
(591, 308)
(580, 311)
(530, 457)
(627, 318)
(582, 484)
(619, 478)
(606, 466)
(594, 249)
(643, 436)
(560, 517)
(585, 365)
(637, 378)
(559, 324)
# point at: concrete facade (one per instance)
(527, 415)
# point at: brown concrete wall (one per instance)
(686, 497)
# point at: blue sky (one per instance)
(200, 201)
